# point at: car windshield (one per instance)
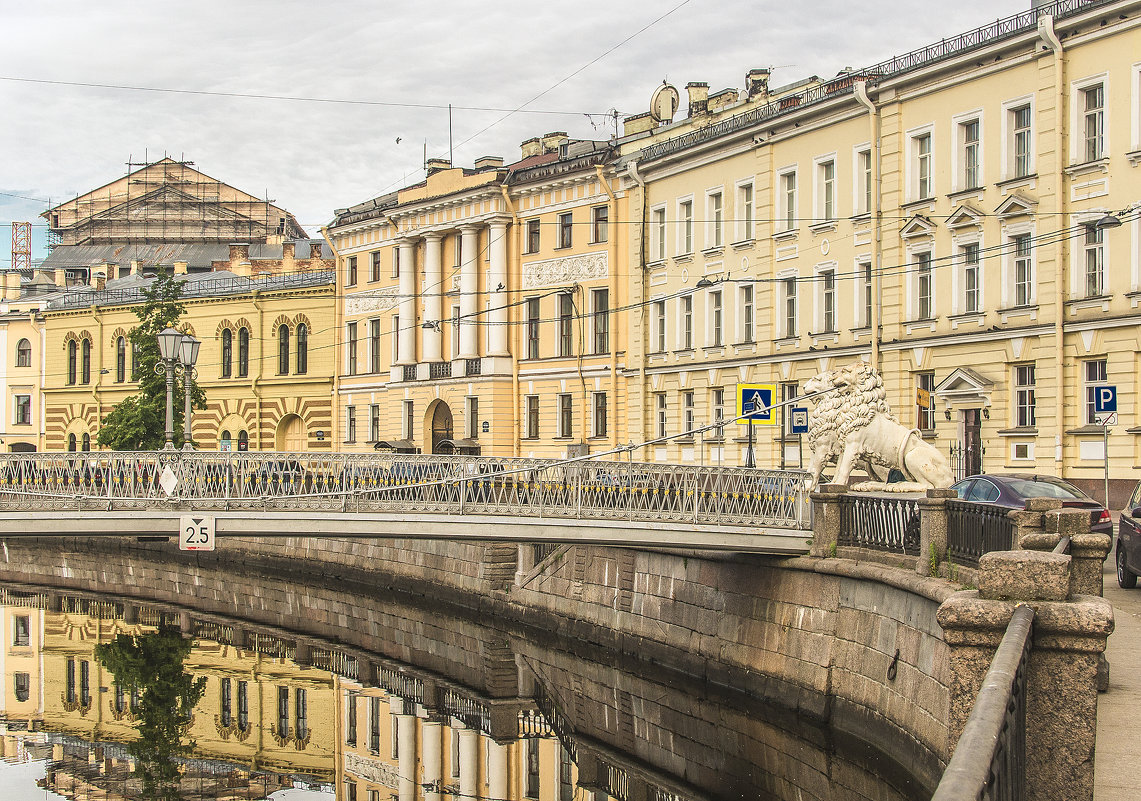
(1030, 488)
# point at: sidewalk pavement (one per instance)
(1119, 710)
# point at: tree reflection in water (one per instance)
(152, 664)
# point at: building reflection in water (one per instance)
(279, 711)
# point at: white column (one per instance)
(469, 287)
(496, 770)
(406, 756)
(433, 756)
(406, 353)
(433, 337)
(498, 278)
(469, 763)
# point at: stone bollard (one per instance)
(826, 518)
(1069, 635)
(1030, 522)
(932, 529)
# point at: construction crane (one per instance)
(21, 246)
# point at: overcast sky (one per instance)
(57, 141)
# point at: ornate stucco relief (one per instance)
(372, 770)
(378, 300)
(565, 270)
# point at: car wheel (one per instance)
(1125, 579)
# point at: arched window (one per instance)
(71, 442)
(243, 352)
(227, 352)
(282, 349)
(302, 348)
(72, 353)
(243, 441)
(23, 353)
(225, 441)
(86, 442)
(121, 360)
(86, 362)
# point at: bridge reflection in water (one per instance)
(400, 701)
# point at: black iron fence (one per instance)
(976, 528)
(879, 522)
(990, 760)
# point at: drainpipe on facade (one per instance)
(861, 90)
(513, 347)
(613, 256)
(338, 307)
(639, 303)
(255, 382)
(1061, 246)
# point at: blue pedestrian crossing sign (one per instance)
(1105, 399)
(756, 401)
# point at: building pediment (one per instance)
(1017, 205)
(917, 226)
(965, 216)
(965, 386)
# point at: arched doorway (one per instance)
(291, 434)
(441, 424)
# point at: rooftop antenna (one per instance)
(451, 157)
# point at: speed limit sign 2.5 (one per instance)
(196, 533)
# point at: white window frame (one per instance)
(861, 267)
(863, 185)
(659, 226)
(959, 151)
(395, 334)
(748, 327)
(685, 226)
(1024, 395)
(1009, 165)
(746, 212)
(825, 300)
(1078, 89)
(922, 271)
(688, 412)
(715, 318)
(787, 200)
(350, 423)
(1100, 250)
(824, 190)
(715, 218)
(913, 249)
(685, 322)
(717, 412)
(660, 330)
(1009, 256)
(959, 245)
(661, 413)
(1088, 413)
(784, 329)
(1135, 108)
(914, 164)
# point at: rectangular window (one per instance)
(455, 330)
(716, 211)
(409, 417)
(1093, 121)
(717, 402)
(790, 307)
(566, 415)
(600, 307)
(395, 336)
(84, 683)
(1024, 414)
(396, 262)
(22, 685)
(600, 414)
(301, 713)
(374, 422)
(659, 233)
(717, 313)
(1094, 262)
(243, 705)
(599, 222)
(351, 340)
(688, 411)
(970, 255)
(351, 279)
(471, 416)
(374, 268)
(566, 230)
(788, 200)
(828, 301)
(566, 324)
(924, 185)
(685, 215)
(22, 633)
(866, 276)
(686, 322)
(864, 177)
(532, 430)
(69, 687)
(374, 345)
(923, 285)
(1023, 271)
(531, 790)
(23, 410)
(659, 326)
(533, 236)
(1093, 375)
(374, 724)
(1022, 141)
(351, 719)
(394, 734)
(532, 328)
(826, 174)
(969, 131)
(350, 424)
(747, 328)
(745, 211)
(925, 416)
(661, 412)
(283, 711)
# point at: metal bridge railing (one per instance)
(454, 485)
(977, 528)
(990, 759)
(881, 523)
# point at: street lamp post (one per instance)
(188, 354)
(169, 342)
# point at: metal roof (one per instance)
(196, 255)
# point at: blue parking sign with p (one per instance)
(756, 401)
(1105, 399)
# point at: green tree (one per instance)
(152, 664)
(138, 423)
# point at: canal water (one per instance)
(114, 689)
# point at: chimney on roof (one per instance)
(435, 165)
(99, 281)
(698, 97)
(757, 82)
(288, 256)
(637, 123)
(726, 97)
(552, 141)
(531, 147)
(316, 250)
(136, 267)
(488, 162)
(11, 285)
(180, 267)
(60, 276)
(239, 252)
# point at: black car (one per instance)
(1127, 550)
(1010, 490)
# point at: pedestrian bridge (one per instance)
(405, 496)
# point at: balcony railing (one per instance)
(203, 288)
(473, 367)
(437, 370)
(409, 372)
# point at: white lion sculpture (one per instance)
(853, 422)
